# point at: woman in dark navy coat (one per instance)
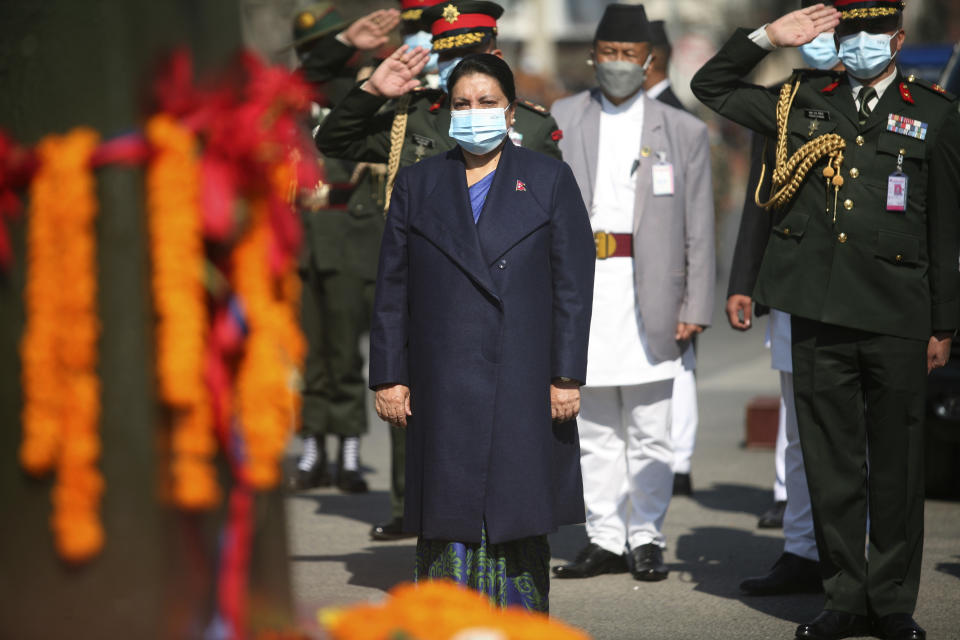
(478, 344)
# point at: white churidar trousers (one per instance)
(626, 458)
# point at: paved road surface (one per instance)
(712, 536)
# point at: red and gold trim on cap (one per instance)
(412, 10)
(865, 9)
(470, 28)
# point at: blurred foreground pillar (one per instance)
(65, 63)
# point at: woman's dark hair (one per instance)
(489, 65)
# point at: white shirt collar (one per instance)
(655, 91)
(883, 85)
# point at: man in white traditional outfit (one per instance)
(644, 170)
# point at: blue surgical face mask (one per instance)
(865, 54)
(478, 131)
(820, 53)
(423, 40)
(445, 68)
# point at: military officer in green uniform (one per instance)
(343, 222)
(863, 254)
(394, 118)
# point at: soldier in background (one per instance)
(342, 228)
(394, 117)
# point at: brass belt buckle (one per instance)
(606, 244)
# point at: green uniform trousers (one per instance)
(860, 400)
(335, 313)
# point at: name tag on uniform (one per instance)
(897, 191)
(663, 179)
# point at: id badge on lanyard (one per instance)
(897, 183)
(662, 176)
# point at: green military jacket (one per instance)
(359, 128)
(873, 269)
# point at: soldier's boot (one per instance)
(349, 479)
(312, 468)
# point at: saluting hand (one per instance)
(398, 74)
(739, 306)
(938, 350)
(372, 30)
(801, 26)
(564, 400)
(393, 404)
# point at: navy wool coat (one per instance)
(477, 319)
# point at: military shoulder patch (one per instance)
(533, 106)
(931, 86)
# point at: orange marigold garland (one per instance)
(274, 347)
(59, 349)
(176, 246)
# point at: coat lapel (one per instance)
(889, 102)
(653, 139)
(446, 220)
(589, 131)
(841, 101)
(509, 213)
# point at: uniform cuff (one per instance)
(761, 39)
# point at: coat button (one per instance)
(842, 238)
(848, 204)
(899, 257)
(860, 141)
(786, 231)
(502, 264)
(854, 172)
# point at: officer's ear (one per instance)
(498, 53)
(897, 41)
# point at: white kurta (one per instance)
(618, 354)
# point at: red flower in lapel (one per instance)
(521, 186)
(830, 87)
(905, 93)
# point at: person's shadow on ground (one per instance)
(381, 565)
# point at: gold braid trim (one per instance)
(789, 173)
(398, 132)
(459, 40)
(411, 14)
(873, 12)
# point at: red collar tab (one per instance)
(830, 87)
(436, 105)
(905, 93)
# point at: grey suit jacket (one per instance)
(673, 236)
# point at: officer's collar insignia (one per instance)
(907, 126)
(436, 105)
(521, 186)
(905, 93)
(450, 13)
(830, 87)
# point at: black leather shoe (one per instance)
(392, 530)
(789, 574)
(317, 476)
(592, 561)
(682, 485)
(898, 626)
(648, 563)
(773, 518)
(833, 625)
(351, 482)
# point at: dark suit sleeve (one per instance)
(718, 85)
(357, 129)
(943, 225)
(325, 59)
(389, 325)
(572, 260)
(755, 223)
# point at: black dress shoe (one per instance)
(592, 561)
(682, 485)
(316, 476)
(648, 563)
(789, 574)
(834, 625)
(350, 481)
(392, 530)
(898, 626)
(773, 518)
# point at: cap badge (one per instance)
(451, 14)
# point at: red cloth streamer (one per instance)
(235, 561)
(129, 149)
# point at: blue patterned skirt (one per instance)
(510, 573)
